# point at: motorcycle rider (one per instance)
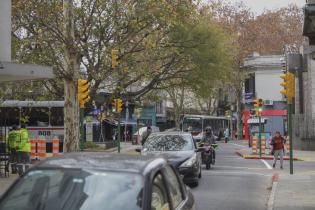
(209, 138)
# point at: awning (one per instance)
(17, 72)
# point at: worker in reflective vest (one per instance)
(13, 139)
(24, 149)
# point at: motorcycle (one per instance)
(208, 154)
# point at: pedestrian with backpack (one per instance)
(277, 143)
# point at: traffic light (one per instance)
(114, 105)
(83, 92)
(114, 58)
(256, 104)
(117, 105)
(288, 85)
(259, 105)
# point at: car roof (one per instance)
(172, 133)
(105, 161)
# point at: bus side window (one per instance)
(35, 116)
(56, 116)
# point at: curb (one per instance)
(271, 199)
(256, 157)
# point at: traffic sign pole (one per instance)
(259, 135)
(290, 135)
(118, 136)
(81, 128)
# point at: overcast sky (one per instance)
(259, 5)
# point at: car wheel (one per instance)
(195, 184)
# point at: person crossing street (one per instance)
(277, 143)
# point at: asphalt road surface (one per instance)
(234, 183)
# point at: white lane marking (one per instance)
(212, 172)
(266, 164)
(271, 199)
(239, 145)
(236, 167)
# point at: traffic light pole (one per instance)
(118, 136)
(81, 128)
(290, 136)
(259, 135)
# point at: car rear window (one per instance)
(75, 189)
(171, 142)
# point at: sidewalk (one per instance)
(6, 182)
(295, 192)
(126, 148)
(246, 152)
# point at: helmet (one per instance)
(208, 130)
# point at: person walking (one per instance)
(24, 149)
(226, 135)
(13, 139)
(277, 143)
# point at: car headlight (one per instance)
(190, 162)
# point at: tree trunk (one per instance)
(71, 107)
(71, 117)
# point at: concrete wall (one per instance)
(267, 84)
(304, 124)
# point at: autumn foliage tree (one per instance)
(271, 32)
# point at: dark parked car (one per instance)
(99, 181)
(181, 151)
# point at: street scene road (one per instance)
(157, 105)
(234, 183)
(237, 183)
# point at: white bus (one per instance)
(196, 124)
(43, 118)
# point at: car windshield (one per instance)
(72, 189)
(171, 142)
(192, 124)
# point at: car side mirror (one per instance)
(138, 149)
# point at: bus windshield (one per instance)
(192, 124)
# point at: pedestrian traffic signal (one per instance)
(117, 105)
(83, 92)
(288, 85)
(114, 58)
